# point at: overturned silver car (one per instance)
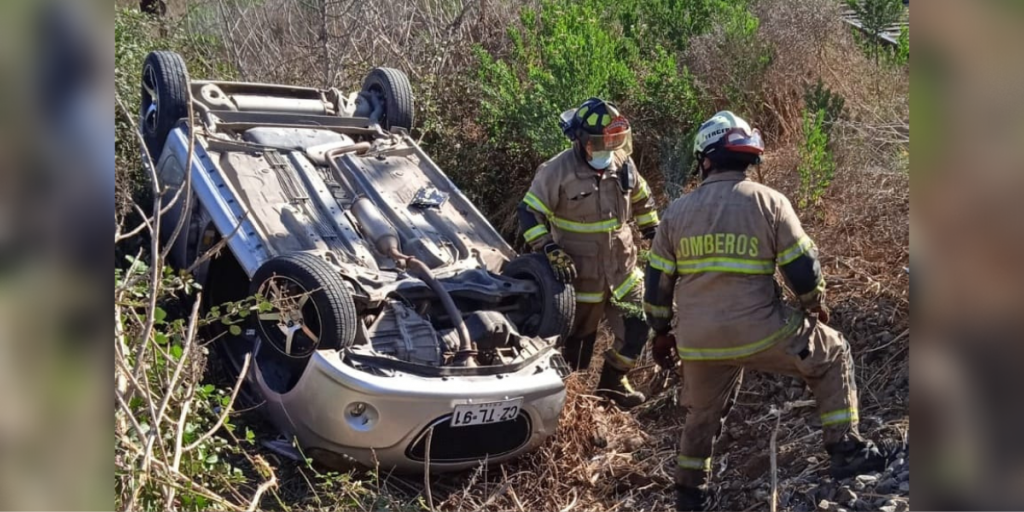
(400, 318)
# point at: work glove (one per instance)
(820, 311)
(649, 232)
(561, 263)
(664, 350)
(815, 306)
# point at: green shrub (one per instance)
(875, 17)
(820, 98)
(169, 418)
(564, 51)
(900, 55)
(817, 165)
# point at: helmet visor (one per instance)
(738, 140)
(617, 136)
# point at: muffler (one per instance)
(384, 238)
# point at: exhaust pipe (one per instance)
(384, 238)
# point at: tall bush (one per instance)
(817, 165)
(876, 16)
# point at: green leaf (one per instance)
(160, 338)
(176, 351)
(265, 307)
(160, 315)
(212, 459)
(235, 330)
(208, 389)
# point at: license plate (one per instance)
(487, 412)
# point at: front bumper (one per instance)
(345, 414)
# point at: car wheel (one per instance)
(549, 312)
(164, 98)
(305, 305)
(392, 86)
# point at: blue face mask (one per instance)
(601, 159)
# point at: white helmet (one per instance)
(727, 131)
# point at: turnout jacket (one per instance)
(715, 253)
(587, 213)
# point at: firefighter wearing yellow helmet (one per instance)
(577, 212)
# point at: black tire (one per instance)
(552, 310)
(393, 87)
(329, 312)
(164, 98)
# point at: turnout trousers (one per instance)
(817, 353)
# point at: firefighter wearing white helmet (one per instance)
(714, 259)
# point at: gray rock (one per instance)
(862, 505)
(887, 508)
(902, 506)
(858, 486)
(867, 479)
(826, 505)
(845, 496)
(905, 487)
(888, 486)
(903, 476)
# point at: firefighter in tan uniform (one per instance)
(577, 212)
(716, 253)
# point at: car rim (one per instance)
(150, 100)
(293, 321)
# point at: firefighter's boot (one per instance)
(578, 351)
(694, 499)
(854, 456)
(614, 385)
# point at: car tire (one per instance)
(164, 102)
(555, 302)
(328, 310)
(393, 87)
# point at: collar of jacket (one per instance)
(725, 176)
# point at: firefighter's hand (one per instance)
(649, 232)
(561, 263)
(819, 311)
(663, 348)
